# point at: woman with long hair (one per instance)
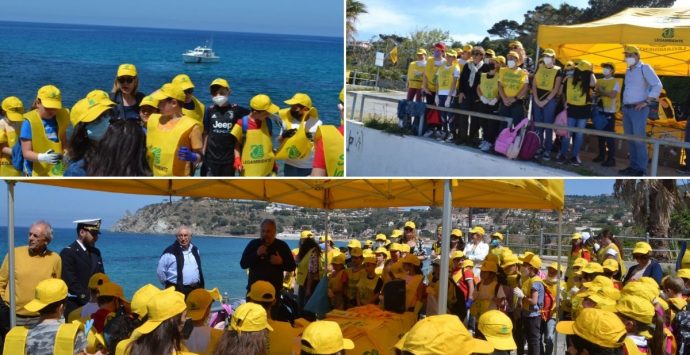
(578, 98)
(124, 93)
(607, 241)
(309, 269)
(247, 333)
(121, 152)
(644, 327)
(162, 332)
(91, 117)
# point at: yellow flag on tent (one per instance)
(394, 55)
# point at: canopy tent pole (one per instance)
(558, 286)
(529, 95)
(445, 247)
(10, 251)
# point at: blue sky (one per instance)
(466, 21)
(60, 206)
(302, 17)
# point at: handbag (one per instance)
(562, 120)
(530, 143)
(433, 117)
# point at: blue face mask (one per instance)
(96, 130)
(494, 243)
(323, 246)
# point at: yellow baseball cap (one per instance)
(395, 247)
(467, 263)
(300, 99)
(535, 261)
(497, 235)
(599, 281)
(142, 297)
(511, 259)
(556, 266)
(94, 97)
(683, 273)
(631, 49)
(90, 109)
(249, 317)
(169, 90)
(467, 48)
(584, 65)
(98, 279)
(410, 224)
(381, 250)
(640, 289)
(442, 334)
(642, 248)
(457, 254)
(148, 101)
(598, 296)
(354, 243)
(405, 248)
(381, 236)
(421, 51)
(324, 337)
(47, 291)
(524, 257)
(183, 81)
(678, 303)
(305, 234)
(367, 242)
(50, 97)
(451, 53)
(489, 266)
(356, 251)
(338, 259)
(490, 53)
(369, 259)
(411, 259)
(515, 43)
(497, 328)
(477, 230)
(597, 326)
(220, 82)
(199, 300)
(161, 307)
(262, 102)
(513, 54)
(14, 108)
(501, 59)
(126, 70)
(580, 262)
(576, 236)
(549, 52)
(610, 264)
(396, 233)
(636, 308)
(593, 268)
(456, 233)
(111, 289)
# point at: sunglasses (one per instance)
(125, 79)
(477, 53)
(188, 91)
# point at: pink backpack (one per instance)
(531, 143)
(507, 137)
(562, 120)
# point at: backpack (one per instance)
(562, 120)
(549, 303)
(507, 137)
(433, 117)
(681, 331)
(459, 308)
(394, 296)
(531, 143)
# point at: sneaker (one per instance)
(441, 136)
(599, 159)
(487, 148)
(609, 163)
(429, 133)
(575, 161)
(482, 145)
(546, 156)
(449, 138)
(561, 159)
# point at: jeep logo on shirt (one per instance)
(224, 125)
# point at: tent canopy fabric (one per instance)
(661, 34)
(342, 193)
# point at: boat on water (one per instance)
(200, 54)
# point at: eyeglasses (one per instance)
(188, 91)
(477, 53)
(125, 79)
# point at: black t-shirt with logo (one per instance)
(218, 123)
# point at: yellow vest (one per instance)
(353, 278)
(608, 85)
(512, 80)
(282, 338)
(257, 152)
(303, 269)
(553, 290)
(15, 341)
(546, 77)
(197, 113)
(430, 73)
(415, 75)
(445, 77)
(575, 95)
(40, 142)
(161, 146)
(9, 136)
(489, 86)
(298, 146)
(334, 280)
(411, 284)
(333, 149)
(666, 102)
(365, 288)
(527, 290)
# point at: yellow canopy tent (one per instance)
(661, 34)
(333, 194)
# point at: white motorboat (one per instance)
(200, 54)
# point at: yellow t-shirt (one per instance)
(29, 271)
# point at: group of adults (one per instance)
(167, 133)
(476, 79)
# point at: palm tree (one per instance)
(354, 9)
(652, 203)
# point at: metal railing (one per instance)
(362, 79)
(359, 99)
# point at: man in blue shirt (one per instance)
(180, 264)
(641, 88)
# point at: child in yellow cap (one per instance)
(595, 331)
(11, 117)
(532, 294)
(673, 289)
(369, 286)
(497, 328)
(354, 273)
(644, 328)
(489, 294)
(247, 332)
(324, 337)
(337, 280)
(203, 339)
(254, 149)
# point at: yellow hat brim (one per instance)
(93, 113)
(51, 103)
(565, 327)
(147, 327)
(14, 116)
(35, 306)
(186, 85)
(196, 314)
(502, 342)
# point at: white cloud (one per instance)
(382, 20)
(682, 4)
(467, 37)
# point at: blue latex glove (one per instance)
(468, 303)
(187, 155)
(88, 325)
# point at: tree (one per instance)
(599, 9)
(652, 203)
(506, 29)
(354, 10)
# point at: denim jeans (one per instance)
(577, 137)
(606, 143)
(516, 111)
(532, 330)
(635, 123)
(445, 116)
(549, 332)
(290, 170)
(545, 114)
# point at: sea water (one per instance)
(80, 58)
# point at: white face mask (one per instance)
(487, 60)
(548, 60)
(220, 100)
(607, 71)
(630, 61)
(511, 64)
